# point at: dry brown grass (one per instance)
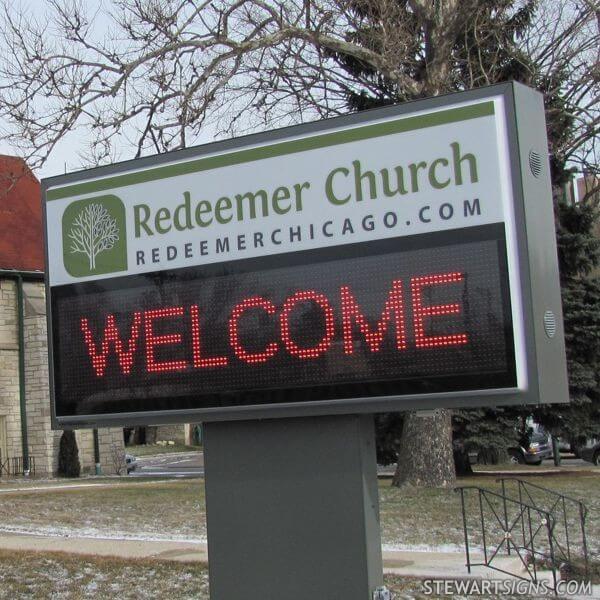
(176, 509)
(62, 576)
(59, 576)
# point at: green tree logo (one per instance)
(94, 236)
(93, 231)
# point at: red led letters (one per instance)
(158, 340)
(239, 351)
(352, 319)
(351, 311)
(111, 337)
(198, 361)
(284, 319)
(420, 312)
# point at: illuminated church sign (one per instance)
(371, 263)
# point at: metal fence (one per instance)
(542, 528)
(12, 466)
(569, 515)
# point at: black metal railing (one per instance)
(498, 521)
(539, 526)
(569, 515)
(12, 466)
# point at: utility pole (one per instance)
(97, 453)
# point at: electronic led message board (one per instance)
(386, 261)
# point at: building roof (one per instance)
(21, 239)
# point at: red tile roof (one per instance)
(21, 240)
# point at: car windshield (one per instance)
(539, 436)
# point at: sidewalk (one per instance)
(440, 566)
(417, 564)
(161, 550)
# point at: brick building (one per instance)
(25, 434)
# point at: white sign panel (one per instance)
(395, 177)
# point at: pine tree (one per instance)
(485, 50)
(68, 455)
(579, 257)
(483, 43)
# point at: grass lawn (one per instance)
(418, 517)
(130, 508)
(62, 576)
(410, 518)
(58, 576)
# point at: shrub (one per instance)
(68, 455)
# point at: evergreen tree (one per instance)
(68, 455)
(388, 433)
(480, 46)
(484, 50)
(486, 432)
(579, 256)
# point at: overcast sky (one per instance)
(65, 156)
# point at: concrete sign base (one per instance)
(293, 509)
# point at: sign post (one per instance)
(293, 508)
(271, 286)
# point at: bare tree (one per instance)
(117, 455)
(93, 232)
(153, 75)
(156, 75)
(564, 43)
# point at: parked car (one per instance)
(573, 446)
(591, 453)
(540, 448)
(131, 463)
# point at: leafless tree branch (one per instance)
(155, 74)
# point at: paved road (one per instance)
(191, 464)
(188, 464)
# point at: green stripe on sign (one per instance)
(355, 134)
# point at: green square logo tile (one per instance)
(94, 236)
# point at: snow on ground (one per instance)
(66, 577)
(91, 533)
(411, 519)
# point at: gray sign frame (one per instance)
(546, 374)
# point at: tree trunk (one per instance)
(426, 458)
(151, 433)
(462, 463)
